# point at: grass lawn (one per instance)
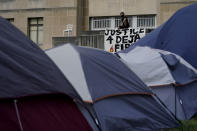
(190, 125)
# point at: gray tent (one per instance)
(165, 72)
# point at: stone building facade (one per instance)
(169, 7)
(41, 20)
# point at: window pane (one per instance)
(153, 22)
(117, 22)
(11, 20)
(40, 27)
(40, 34)
(145, 21)
(40, 21)
(33, 21)
(33, 28)
(33, 36)
(40, 37)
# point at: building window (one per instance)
(102, 23)
(35, 27)
(95, 41)
(117, 22)
(11, 20)
(146, 21)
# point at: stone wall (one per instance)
(169, 7)
(56, 15)
(114, 7)
(31, 4)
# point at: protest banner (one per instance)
(116, 40)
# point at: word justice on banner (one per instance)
(116, 40)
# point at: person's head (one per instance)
(122, 14)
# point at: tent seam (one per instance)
(174, 84)
(120, 94)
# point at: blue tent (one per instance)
(120, 99)
(33, 91)
(176, 37)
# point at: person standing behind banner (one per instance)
(124, 21)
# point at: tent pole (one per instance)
(166, 108)
(18, 115)
(95, 119)
(175, 101)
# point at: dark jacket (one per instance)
(124, 23)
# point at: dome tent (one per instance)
(34, 95)
(120, 99)
(175, 43)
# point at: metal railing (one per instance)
(95, 41)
